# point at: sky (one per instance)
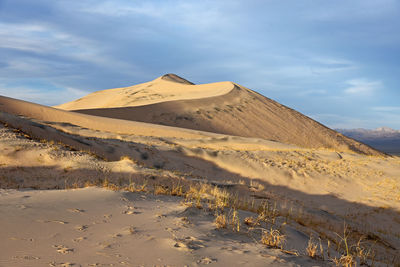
(336, 61)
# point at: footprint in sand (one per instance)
(188, 243)
(235, 250)
(160, 216)
(181, 246)
(109, 245)
(116, 235)
(81, 227)
(76, 210)
(130, 230)
(64, 264)
(124, 199)
(130, 210)
(79, 239)
(23, 239)
(171, 230)
(150, 237)
(206, 260)
(100, 264)
(26, 257)
(63, 249)
(60, 222)
(182, 221)
(53, 221)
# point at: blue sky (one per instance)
(335, 61)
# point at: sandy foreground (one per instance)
(113, 192)
(99, 227)
(297, 205)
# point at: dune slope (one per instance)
(313, 191)
(224, 108)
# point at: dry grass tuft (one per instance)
(177, 190)
(273, 238)
(160, 190)
(220, 221)
(312, 248)
(345, 261)
(235, 221)
(251, 221)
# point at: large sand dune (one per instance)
(304, 191)
(225, 108)
(169, 87)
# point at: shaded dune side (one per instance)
(241, 112)
(175, 78)
(44, 113)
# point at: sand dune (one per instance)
(313, 192)
(169, 87)
(44, 113)
(224, 108)
(293, 189)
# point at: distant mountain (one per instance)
(384, 138)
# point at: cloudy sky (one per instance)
(335, 61)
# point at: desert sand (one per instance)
(114, 183)
(98, 227)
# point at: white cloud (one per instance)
(332, 61)
(43, 39)
(47, 43)
(40, 96)
(362, 87)
(302, 65)
(111, 8)
(196, 15)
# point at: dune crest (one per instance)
(169, 87)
